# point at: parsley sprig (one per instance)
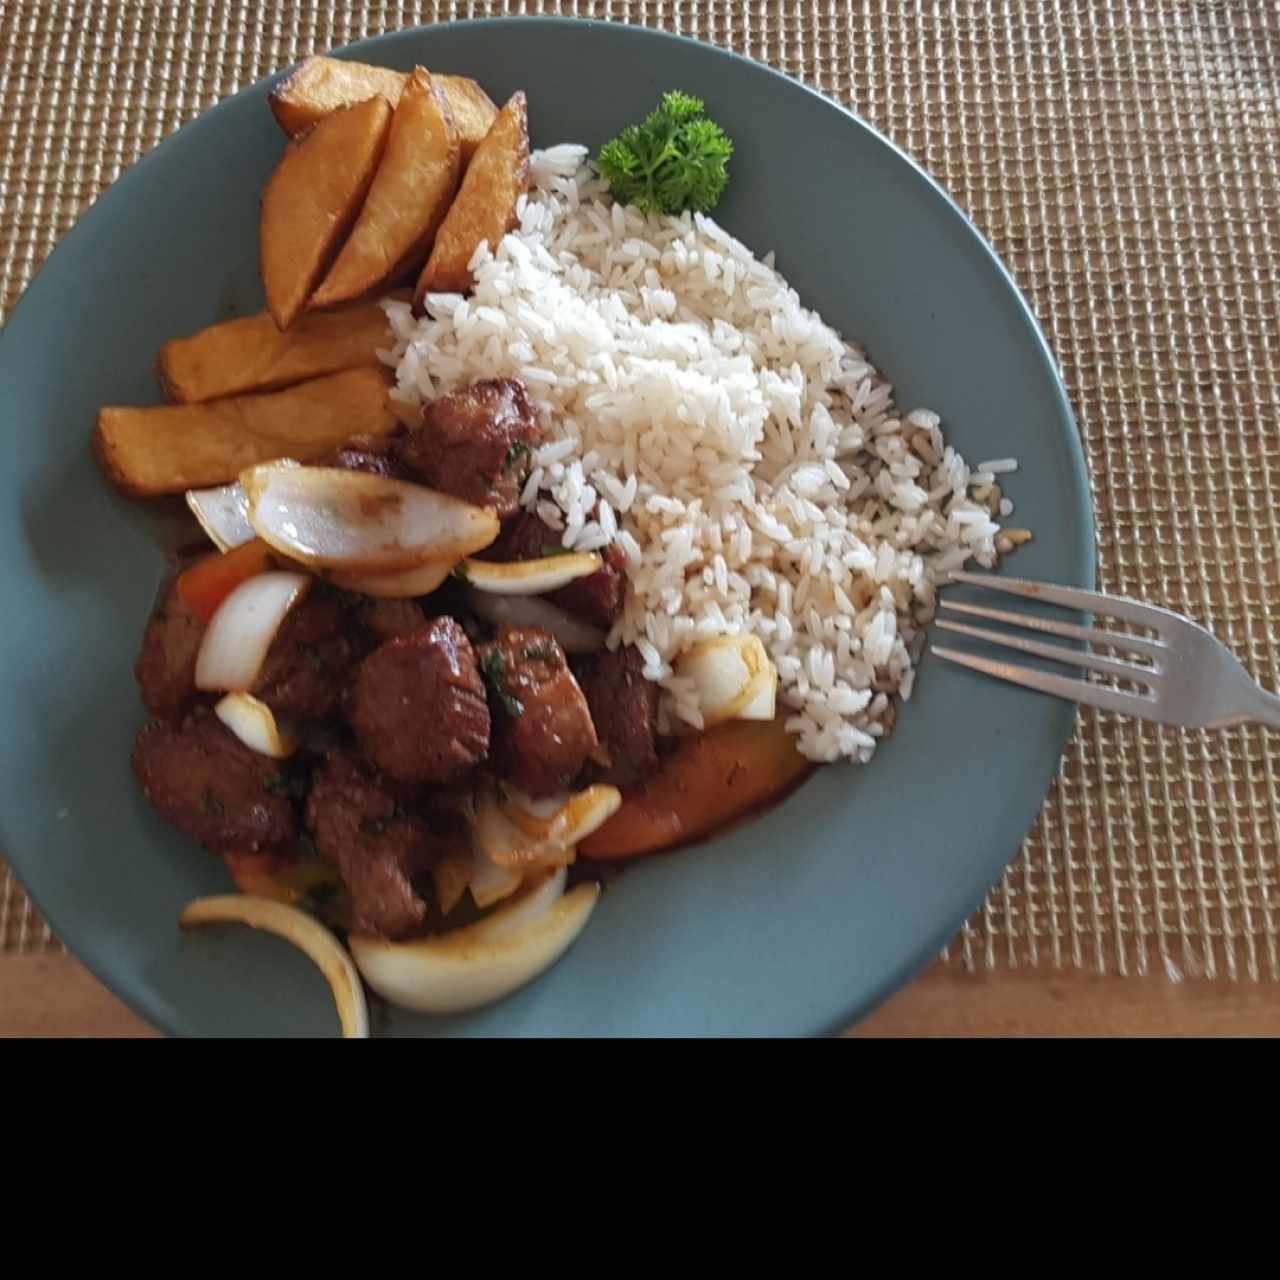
(676, 160)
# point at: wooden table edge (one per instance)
(55, 996)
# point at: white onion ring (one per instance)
(407, 584)
(223, 513)
(238, 636)
(573, 635)
(489, 882)
(306, 933)
(536, 898)
(360, 523)
(530, 577)
(255, 724)
(473, 966)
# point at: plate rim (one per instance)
(1084, 532)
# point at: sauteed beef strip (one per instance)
(385, 620)
(474, 444)
(205, 781)
(624, 707)
(356, 824)
(597, 599)
(166, 666)
(418, 707)
(307, 664)
(543, 733)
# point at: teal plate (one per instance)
(795, 924)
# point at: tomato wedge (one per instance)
(709, 780)
(210, 581)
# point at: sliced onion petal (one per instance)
(489, 881)
(577, 816)
(306, 933)
(537, 896)
(763, 703)
(223, 513)
(402, 585)
(450, 875)
(506, 844)
(531, 577)
(357, 522)
(573, 635)
(729, 673)
(465, 969)
(255, 724)
(239, 634)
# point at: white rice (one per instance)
(753, 467)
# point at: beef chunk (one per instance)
(204, 780)
(418, 705)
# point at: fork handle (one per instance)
(1266, 708)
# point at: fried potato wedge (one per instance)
(250, 354)
(321, 85)
(172, 448)
(485, 206)
(311, 200)
(410, 195)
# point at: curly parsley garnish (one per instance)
(676, 160)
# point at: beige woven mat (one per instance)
(1124, 158)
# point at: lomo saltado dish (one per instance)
(546, 528)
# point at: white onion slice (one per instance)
(490, 883)
(349, 520)
(572, 821)
(241, 631)
(451, 876)
(763, 703)
(573, 635)
(502, 842)
(306, 933)
(730, 674)
(404, 585)
(537, 896)
(530, 577)
(255, 724)
(470, 967)
(223, 513)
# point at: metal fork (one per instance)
(1188, 678)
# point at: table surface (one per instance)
(1123, 157)
(55, 996)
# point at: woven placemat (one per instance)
(1123, 156)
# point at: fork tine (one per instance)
(1056, 653)
(1091, 695)
(1091, 635)
(1145, 615)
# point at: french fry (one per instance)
(319, 86)
(484, 208)
(311, 200)
(408, 200)
(172, 448)
(251, 354)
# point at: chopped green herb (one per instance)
(313, 657)
(286, 783)
(318, 897)
(539, 655)
(459, 571)
(494, 667)
(676, 160)
(555, 549)
(514, 454)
